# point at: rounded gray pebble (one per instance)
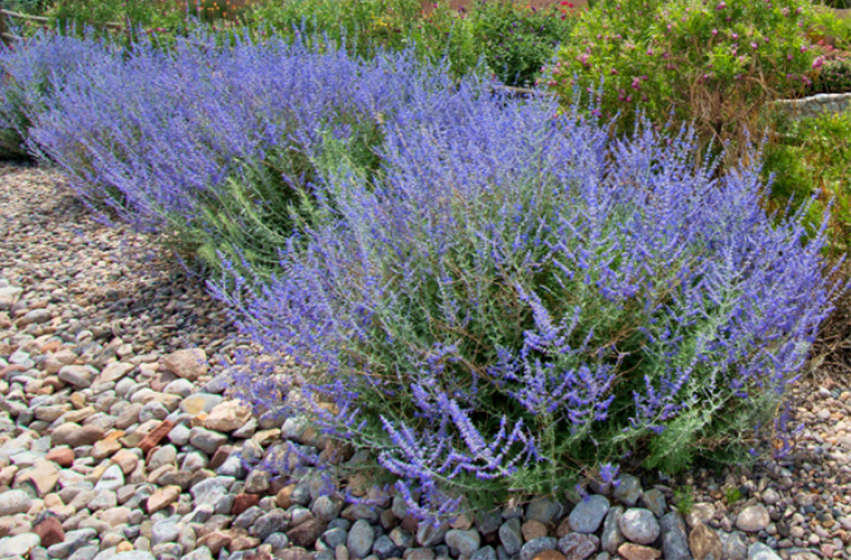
(588, 514)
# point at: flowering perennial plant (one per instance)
(516, 296)
(710, 62)
(220, 144)
(833, 76)
(32, 74)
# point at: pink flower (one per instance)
(818, 62)
(714, 32)
(754, 46)
(613, 72)
(721, 6)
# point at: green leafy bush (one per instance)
(133, 20)
(832, 76)
(517, 42)
(812, 158)
(831, 29)
(711, 62)
(365, 25)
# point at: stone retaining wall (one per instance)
(812, 106)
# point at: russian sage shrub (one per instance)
(221, 144)
(516, 298)
(31, 72)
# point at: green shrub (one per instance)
(711, 62)
(811, 158)
(829, 28)
(834, 76)
(516, 41)
(365, 25)
(166, 17)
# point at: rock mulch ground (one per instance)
(118, 439)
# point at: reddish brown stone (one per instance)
(10, 368)
(243, 542)
(215, 541)
(259, 555)
(282, 498)
(705, 543)
(52, 346)
(243, 502)
(163, 498)
(219, 457)
(410, 524)
(549, 555)
(50, 531)
(62, 456)
(305, 535)
(632, 551)
(533, 530)
(53, 381)
(276, 485)
(563, 528)
(155, 436)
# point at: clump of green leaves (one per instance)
(364, 25)
(732, 494)
(684, 499)
(519, 41)
(810, 162)
(831, 28)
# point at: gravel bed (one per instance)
(118, 439)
